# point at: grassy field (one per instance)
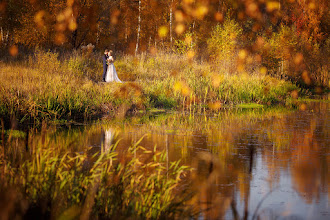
(67, 87)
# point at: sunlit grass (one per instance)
(48, 87)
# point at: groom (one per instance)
(105, 64)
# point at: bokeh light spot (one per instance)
(179, 29)
(311, 6)
(190, 54)
(242, 54)
(294, 94)
(298, 58)
(263, 70)
(13, 50)
(272, 5)
(60, 38)
(305, 76)
(179, 16)
(39, 18)
(218, 17)
(72, 25)
(162, 31)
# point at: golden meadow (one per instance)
(46, 86)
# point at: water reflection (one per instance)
(108, 138)
(266, 164)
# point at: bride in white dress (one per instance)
(111, 75)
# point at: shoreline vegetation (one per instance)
(191, 57)
(45, 86)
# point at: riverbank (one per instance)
(68, 88)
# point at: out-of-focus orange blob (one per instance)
(251, 8)
(60, 17)
(311, 6)
(72, 25)
(272, 5)
(60, 38)
(242, 54)
(178, 16)
(298, 58)
(305, 76)
(13, 50)
(218, 17)
(294, 94)
(68, 12)
(302, 107)
(114, 17)
(39, 18)
(190, 54)
(201, 11)
(179, 29)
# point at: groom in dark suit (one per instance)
(105, 64)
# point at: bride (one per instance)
(111, 75)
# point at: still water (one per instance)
(249, 164)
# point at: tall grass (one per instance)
(55, 181)
(47, 86)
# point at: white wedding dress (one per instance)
(111, 75)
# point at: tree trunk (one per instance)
(138, 30)
(171, 22)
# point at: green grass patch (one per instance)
(250, 105)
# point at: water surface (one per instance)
(272, 164)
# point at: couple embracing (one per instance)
(109, 71)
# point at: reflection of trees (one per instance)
(302, 151)
(306, 167)
(108, 138)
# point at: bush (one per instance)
(223, 44)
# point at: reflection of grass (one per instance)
(46, 87)
(15, 134)
(321, 99)
(135, 184)
(250, 105)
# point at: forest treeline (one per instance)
(287, 38)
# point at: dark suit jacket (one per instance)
(105, 65)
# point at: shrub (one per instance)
(223, 44)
